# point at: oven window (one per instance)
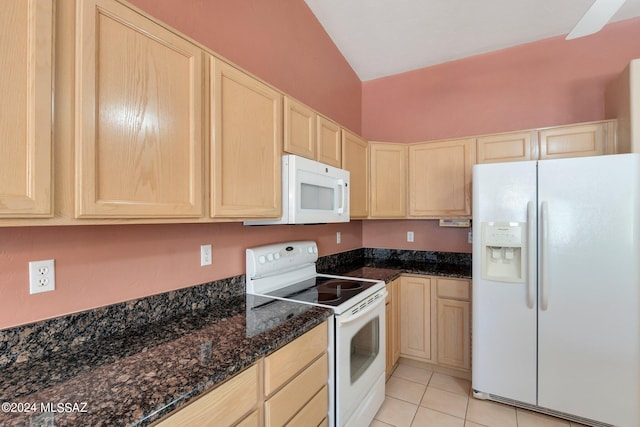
(365, 346)
(316, 197)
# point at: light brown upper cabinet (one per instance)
(329, 142)
(440, 178)
(388, 162)
(622, 102)
(26, 49)
(575, 140)
(299, 129)
(581, 140)
(355, 159)
(507, 147)
(139, 143)
(246, 145)
(310, 135)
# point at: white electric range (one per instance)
(287, 271)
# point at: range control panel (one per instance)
(263, 261)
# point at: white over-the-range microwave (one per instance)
(312, 193)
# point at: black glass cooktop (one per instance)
(321, 290)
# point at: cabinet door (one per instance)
(453, 333)
(355, 159)
(507, 147)
(395, 312)
(622, 103)
(589, 139)
(139, 147)
(440, 178)
(389, 336)
(415, 317)
(299, 129)
(329, 142)
(26, 52)
(388, 164)
(392, 320)
(246, 146)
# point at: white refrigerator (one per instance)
(556, 287)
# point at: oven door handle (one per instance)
(365, 310)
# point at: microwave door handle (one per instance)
(342, 187)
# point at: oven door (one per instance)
(360, 362)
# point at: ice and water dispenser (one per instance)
(504, 251)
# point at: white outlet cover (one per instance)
(42, 276)
(205, 255)
(409, 236)
(338, 237)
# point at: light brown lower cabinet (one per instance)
(298, 396)
(415, 317)
(435, 324)
(223, 406)
(392, 320)
(454, 323)
(286, 388)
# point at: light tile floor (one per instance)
(418, 397)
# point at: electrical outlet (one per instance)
(409, 236)
(338, 237)
(470, 237)
(205, 255)
(42, 276)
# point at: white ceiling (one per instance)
(384, 37)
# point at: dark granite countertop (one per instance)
(138, 376)
(387, 264)
(390, 270)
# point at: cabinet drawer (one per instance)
(222, 406)
(295, 395)
(314, 412)
(252, 420)
(454, 289)
(285, 363)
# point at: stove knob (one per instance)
(315, 249)
(270, 257)
(276, 256)
(310, 249)
(262, 259)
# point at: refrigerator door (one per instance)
(589, 311)
(504, 314)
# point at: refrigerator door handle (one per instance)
(531, 254)
(544, 256)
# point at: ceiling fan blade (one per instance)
(600, 12)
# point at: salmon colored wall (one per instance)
(428, 236)
(279, 41)
(101, 265)
(546, 83)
